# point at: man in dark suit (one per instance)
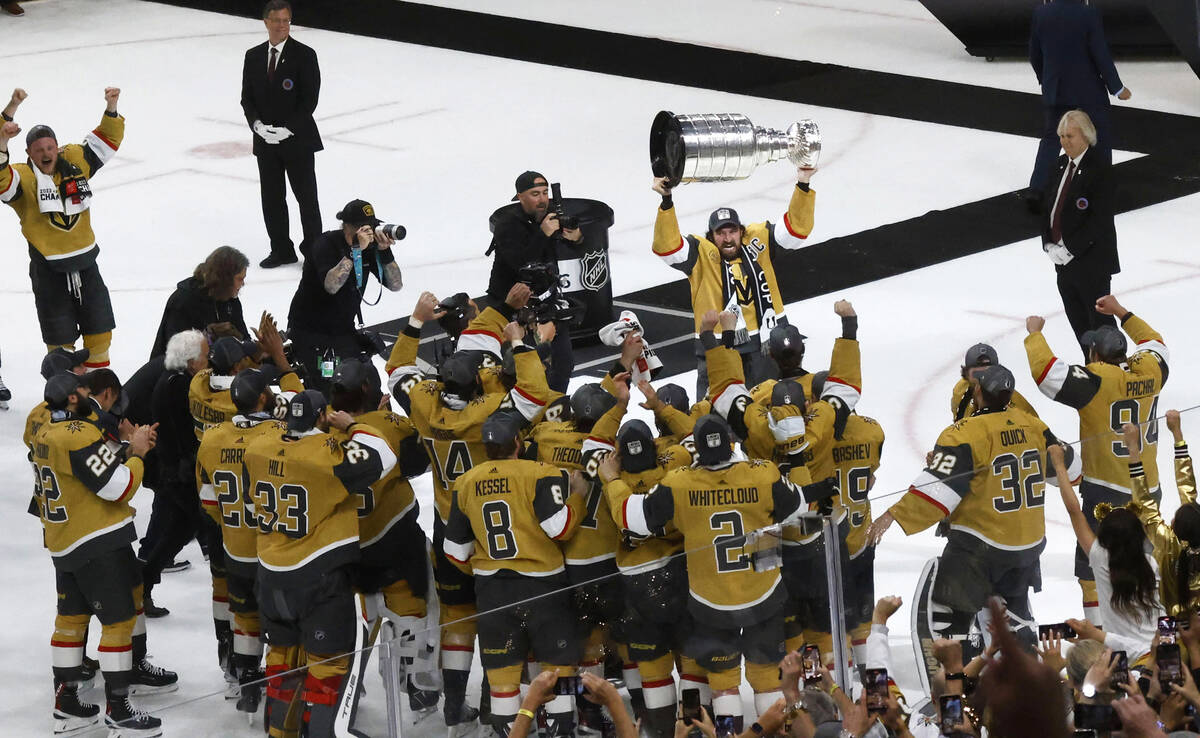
(280, 85)
(1078, 233)
(1075, 69)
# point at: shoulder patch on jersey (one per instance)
(75, 426)
(331, 443)
(757, 462)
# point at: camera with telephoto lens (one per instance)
(392, 231)
(541, 276)
(565, 222)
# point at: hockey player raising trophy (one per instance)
(731, 267)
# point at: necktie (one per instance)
(1056, 219)
(271, 65)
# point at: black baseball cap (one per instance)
(39, 131)
(501, 427)
(785, 338)
(787, 392)
(591, 401)
(59, 389)
(528, 180)
(713, 439)
(635, 442)
(675, 396)
(723, 217)
(227, 351)
(358, 213)
(459, 373)
(981, 354)
(303, 410)
(62, 360)
(1108, 342)
(996, 379)
(249, 384)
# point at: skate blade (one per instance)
(147, 689)
(117, 732)
(73, 725)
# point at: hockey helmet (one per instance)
(589, 402)
(303, 410)
(635, 443)
(675, 396)
(714, 440)
(249, 385)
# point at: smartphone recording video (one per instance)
(877, 690)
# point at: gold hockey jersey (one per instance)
(386, 502)
(637, 553)
(510, 514)
(304, 496)
(987, 475)
(714, 509)
(855, 460)
(451, 433)
(63, 240)
(210, 403)
(223, 492)
(749, 279)
(560, 445)
(962, 401)
(83, 489)
(1107, 396)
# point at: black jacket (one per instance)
(177, 443)
(190, 306)
(289, 100)
(313, 309)
(1088, 231)
(516, 241)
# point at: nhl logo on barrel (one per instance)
(593, 270)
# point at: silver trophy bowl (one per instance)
(718, 147)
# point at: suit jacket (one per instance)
(1088, 231)
(289, 100)
(1070, 55)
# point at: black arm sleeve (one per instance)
(360, 468)
(786, 499)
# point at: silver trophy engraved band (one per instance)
(718, 147)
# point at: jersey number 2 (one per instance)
(733, 536)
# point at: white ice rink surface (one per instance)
(434, 139)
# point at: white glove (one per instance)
(1058, 253)
(283, 133)
(267, 133)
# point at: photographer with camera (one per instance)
(524, 240)
(321, 322)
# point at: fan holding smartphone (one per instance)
(1126, 576)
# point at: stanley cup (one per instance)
(717, 147)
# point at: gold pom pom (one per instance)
(1102, 510)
